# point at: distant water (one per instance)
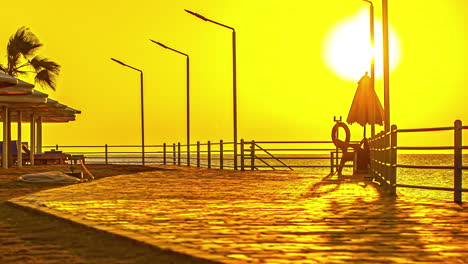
(421, 177)
(429, 177)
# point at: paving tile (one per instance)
(265, 216)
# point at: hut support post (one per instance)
(32, 140)
(19, 142)
(9, 149)
(5, 138)
(39, 135)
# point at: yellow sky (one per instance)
(286, 90)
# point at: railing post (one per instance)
(221, 154)
(209, 154)
(242, 154)
(198, 153)
(393, 159)
(372, 156)
(337, 158)
(106, 151)
(457, 179)
(164, 153)
(331, 161)
(382, 144)
(173, 154)
(386, 148)
(252, 155)
(178, 153)
(188, 154)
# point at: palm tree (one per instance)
(22, 59)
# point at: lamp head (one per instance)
(119, 62)
(197, 15)
(159, 43)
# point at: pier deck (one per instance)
(264, 217)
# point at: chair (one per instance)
(48, 157)
(349, 150)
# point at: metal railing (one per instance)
(253, 155)
(287, 155)
(284, 155)
(384, 158)
(207, 154)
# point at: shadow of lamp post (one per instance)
(142, 110)
(188, 94)
(234, 78)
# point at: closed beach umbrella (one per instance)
(366, 108)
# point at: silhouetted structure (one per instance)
(366, 108)
(187, 94)
(234, 78)
(142, 109)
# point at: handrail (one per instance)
(286, 149)
(293, 158)
(427, 148)
(381, 144)
(297, 166)
(425, 129)
(266, 151)
(293, 142)
(219, 153)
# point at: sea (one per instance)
(409, 176)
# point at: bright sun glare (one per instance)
(348, 51)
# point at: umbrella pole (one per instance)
(364, 131)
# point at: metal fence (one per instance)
(253, 155)
(384, 162)
(284, 155)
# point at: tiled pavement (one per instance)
(264, 217)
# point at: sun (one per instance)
(348, 52)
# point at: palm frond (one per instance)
(23, 42)
(20, 49)
(20, 72)
(46, 64)
(46, 78)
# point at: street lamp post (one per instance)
(188, 95)
(386, 64)
(142, 110)
(371, 11)
(386, 60)
(234, 78)
(372, 69)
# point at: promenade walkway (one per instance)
(264, 217)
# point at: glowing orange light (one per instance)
(348, 51)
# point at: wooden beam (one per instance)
(19, 143)
(5, 138)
